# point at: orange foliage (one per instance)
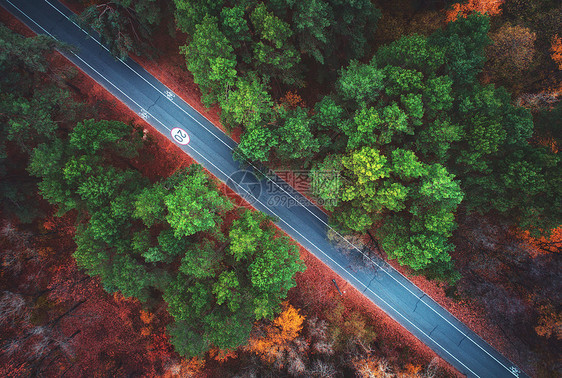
(371, 367)
(550, 323)
(413, 369)
(491, 7)
(222, 355)
(284, 329)
(549, 142)
(557, 50)
(292, 100)
(45, 252)
(48, 225)
(120, 298)
(146, 317)
(289, 323)
(543, 245)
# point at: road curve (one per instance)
(297, 216)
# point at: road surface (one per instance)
(303, 221)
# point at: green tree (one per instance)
(93, 136)
(194, 204)
(228, 332)
(201, 260)
(248, 284)
(274, 55)
(296, 140)
(360, 82)
(210, 58)
(245, 236)
(186, 340)
(418, 238)
(311, 23)
(413, 52)
(190, 13)
(523, 186)
(142, 239)
(149, 204)
(327, 180)
(226, 290)
(125, 25)
(31, 120)
(235, 25)
(249, 104)
(272, 273)
(329, 31)
(406, 165)
(74, 172)
(464, 42)
(34, 105)
(256, 144)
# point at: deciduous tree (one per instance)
(125, 25)
(511, 53)
(464, 8)
(210, 57)
(556, 49)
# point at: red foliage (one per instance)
(61, 320)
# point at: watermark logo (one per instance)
(278, 188)
(246, 184)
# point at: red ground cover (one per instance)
(315, 285)
(469, 312)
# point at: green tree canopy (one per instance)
(167, 237)
(210, 58)
(126, 26)
(34, 105)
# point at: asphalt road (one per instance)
(306, 223)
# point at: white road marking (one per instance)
(512, 370)
(170, 95)
(144, 114)
(180, 136)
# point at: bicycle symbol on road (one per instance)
(144, 114)
(514, 371)
(170, 95)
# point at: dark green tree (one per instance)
(34, 106)
(274, 56)
(125, 26)
(190, 13)
(221, 305)
(210, 57)
(294, 133)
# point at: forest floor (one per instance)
(314, 285)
